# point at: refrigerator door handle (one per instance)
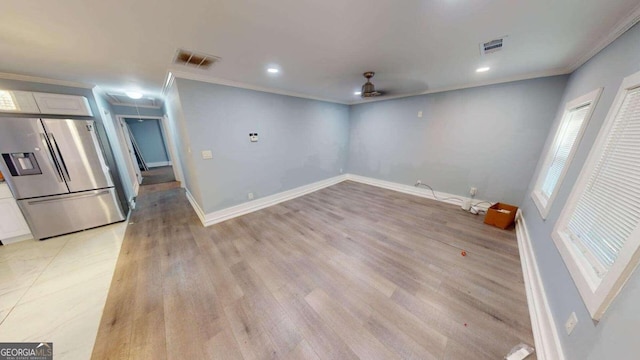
(72, 196)
(51, 157)
(58, 155)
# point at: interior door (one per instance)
(27, 161)
(132, 155)
(76, 144)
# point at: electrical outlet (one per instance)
(340, 170)
(571, 323)
(473, 191)
(250, 196)
(420, 113)
(418, 182)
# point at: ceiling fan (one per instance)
(368, 89)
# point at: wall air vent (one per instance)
(194, 59)
(492, 46)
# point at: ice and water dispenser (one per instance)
(22, 164)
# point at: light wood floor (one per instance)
(350, 271)
(158, 175)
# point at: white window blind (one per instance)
(575, 119)
(567, 138)
(598, 232)
(608, 210)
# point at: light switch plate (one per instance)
(207, 154)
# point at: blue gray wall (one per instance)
(488, 137)
(301, 141)
(616, 335)
(178, 127)
(148, 136)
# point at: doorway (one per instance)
(149, 149)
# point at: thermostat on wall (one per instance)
(253, 137)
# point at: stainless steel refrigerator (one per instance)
(57, 173)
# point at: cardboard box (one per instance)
(501, 215)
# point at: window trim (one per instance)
(598, 294)
(542, 203)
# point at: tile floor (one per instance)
(55, 290)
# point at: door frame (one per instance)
(168, 142)
(132, 163)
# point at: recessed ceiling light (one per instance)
(357, 93)
(134, 95)
(483, 69)
(273, 70)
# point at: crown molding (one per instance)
(171, 75)
(535, 75)
(36, 79)
(620, 28)
(213, 80)
(168, 83)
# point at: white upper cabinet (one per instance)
(58, 104)
(18, 102)
(26, 102)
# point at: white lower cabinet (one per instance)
(12, 222)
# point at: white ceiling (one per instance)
(322, 47)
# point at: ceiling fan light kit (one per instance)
(368, 89)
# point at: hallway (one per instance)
(158, 175)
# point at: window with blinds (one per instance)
(598, 232)
(574, 121)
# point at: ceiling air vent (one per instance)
(492, 46)
(194, 59)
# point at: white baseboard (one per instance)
(215, 217)
(545, 333)
(158, 164)
(136, 188)
(255, 205)
(196, 207)
(417, 191)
